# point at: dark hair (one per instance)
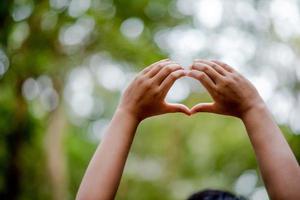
(214, 195)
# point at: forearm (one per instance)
(143, 98)
(103, 175)
(278, 166)
(236, 96)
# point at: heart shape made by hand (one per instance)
(231, 92)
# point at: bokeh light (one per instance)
(19, 34)
(22, 10)
(209, 12)
(77, 33)
(132, 28)
(30, 89)
(59, 4)
(260, 194)
(65, 63)
(179, 91)
(4, 63)
(246, 183)
(78, 7)
(78, 92)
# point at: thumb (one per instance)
(175, 107)
(203, 107)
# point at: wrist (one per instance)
(127, 114)
(254, 111)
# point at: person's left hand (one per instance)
(232, 93)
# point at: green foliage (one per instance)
(172, 156)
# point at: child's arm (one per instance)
(236, 96)
(143, 98)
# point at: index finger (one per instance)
(170, 80)
(215, 66)
(147, 69)
(224, 65)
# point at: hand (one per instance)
(145, 95)
(233, 94)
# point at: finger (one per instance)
(158, 67)
(215, 66)
(213, 74)
(169, 81)
(204, 79)
(204, 107)
(174, 108)
(147, 69)
(224, 65)
(165, 72)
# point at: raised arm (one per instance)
(143, 98)
(236, 96)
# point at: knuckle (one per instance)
(221, 63)
(181, 73)
(214, 66)
(152, 88)
(200, 75)
(230, 82)
(160, 65)
(226, 82)
(205, 68)
(235, 76)
(219, 87)
(156, 90)
(147, 84)
(228, 67)
(173, 76)
(219, 93)
(168, 69)
(139, 80)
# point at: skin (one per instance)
(235, 96)
(142, 99)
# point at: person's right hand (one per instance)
(233, 94)
(145, 96)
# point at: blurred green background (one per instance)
(65, 63)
